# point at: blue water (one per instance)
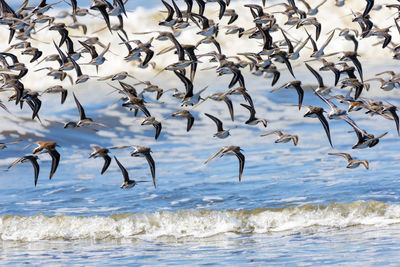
(296, 205)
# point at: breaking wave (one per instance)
(198, 223)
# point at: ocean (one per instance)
(295, 205)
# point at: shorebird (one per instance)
(169, 21)
(283, 138)
(310, 21)
(142, 151)
(231, 150)
(351, 55)
(135, 53)
(385, 85)
(389, 112)
(84, 121)
(352, 163)
(156, 124)
(117, 76)
(221, 133)
(50, 148)
(65, 64)
(312, 10)
(365, 139)
(102, 8)
(253, 120)
(293, 85)
(57, 89)
(33, 160)
(80, 77)
(4, 145)
(152, 88)
(233, 16)
(335, 113)
(327, 65)
(321, 86)
(184, 114)
(133, 101)
(317, 112)
(101, 152)
(241, 91)
(128, 183)
(222, 97)
(97, 59)
(296, 53)
(190, 99)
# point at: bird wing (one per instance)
(316, 75)
(123, 170)
(300, 92)
(187, 82)
(345, 155)
(217, 121)
(241, 159)
(251, 109)
(35, 165)
(152, 165)
(107, 161)
(325, 124)
(214, 155)
(158, 127)
(190, 121)
(55, 159)
(80, 108)
(279, 133)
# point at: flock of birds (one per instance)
(278, 49)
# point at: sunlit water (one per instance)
(295, 205)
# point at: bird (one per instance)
(283, 138)
(4, 145)
(133, 100)
(128, 183)
(185, 114)
(33, 160)
(223, 97)
(221, 133)
(365, 139)
(327, 65)
(351, 55)
(101, 152)
(336, 112)
(253, 120)
(83, 120)
(317, 112)
(80, 77)
(352, 163)
(231, 150)
(320, 52)
(296, 84)
(57, 89)
(321, 86)
(97, 59)
(142, 151)
(156, 124)
(190, 99)
(50, 148)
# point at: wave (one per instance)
(198, 223)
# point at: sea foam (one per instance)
(198, 223)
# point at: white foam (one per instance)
(197, 223)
